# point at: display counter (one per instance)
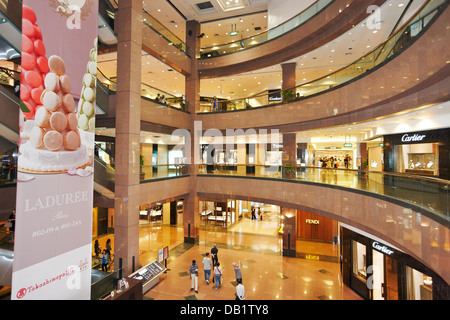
(133, 292)
(218, 219)
(422, 172)
(149, 275)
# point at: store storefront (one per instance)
(379, 271)
(423, 153)
(167, 213)
(222, 214)
(313, 227)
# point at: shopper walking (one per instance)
(218, 275)
(207, 263)
(215, 107)
(237, 271)
(193, 270)
(97, 249)
(240, 291)
(108, 248)
(104, 261)
(214, 255)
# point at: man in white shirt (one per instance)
(193, 270)
(240, 291)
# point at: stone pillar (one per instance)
(289, 79)
(128, 118)
(191, 217)
(192, 80)
(363, 154)
(289, 231)
(289, 154)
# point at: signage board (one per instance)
(54, 203)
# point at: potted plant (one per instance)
(288, 95)
(288, 171)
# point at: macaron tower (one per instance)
(54, 141)
(34, 62)
(86, 104)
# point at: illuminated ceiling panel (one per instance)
(228, 5)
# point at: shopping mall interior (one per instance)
(308, 141)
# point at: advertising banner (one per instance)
(53, 238)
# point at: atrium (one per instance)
(307, 141)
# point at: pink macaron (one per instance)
(71, 141)
(51, 100)
(53, 140)
(58, 121)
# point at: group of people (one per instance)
(335, 161)
(257, 214)
(105, 257)
(214, 263)
(161, 98)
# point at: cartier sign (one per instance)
(382, 248)
(416, 137)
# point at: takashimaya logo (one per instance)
(21, 293)
(74, 10)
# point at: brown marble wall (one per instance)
(153, 113)
(156, 191)
(419, 236)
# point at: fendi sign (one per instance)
(311, 221)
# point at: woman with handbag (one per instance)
(218, 275)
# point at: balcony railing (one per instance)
(160, 29)
(151, 173)
(267, 35)
(147, 92)
(386, 51)
(431, 194)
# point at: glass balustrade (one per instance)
(428, 193)
(160, 29)
(265, 36)
(403, 38)
(152, 172)
(147, 92)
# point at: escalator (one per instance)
(104, 173)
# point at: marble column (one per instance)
(191, 217)
(289, 156)
(192, 80)
(288, 76)
(289, 231)
(128, 117)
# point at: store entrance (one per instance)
(384, 277)
(240, 216)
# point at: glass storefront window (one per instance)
(418, 159)
(418, 285)
(359, 260)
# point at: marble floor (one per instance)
(313, 275)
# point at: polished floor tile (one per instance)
(267, 275)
